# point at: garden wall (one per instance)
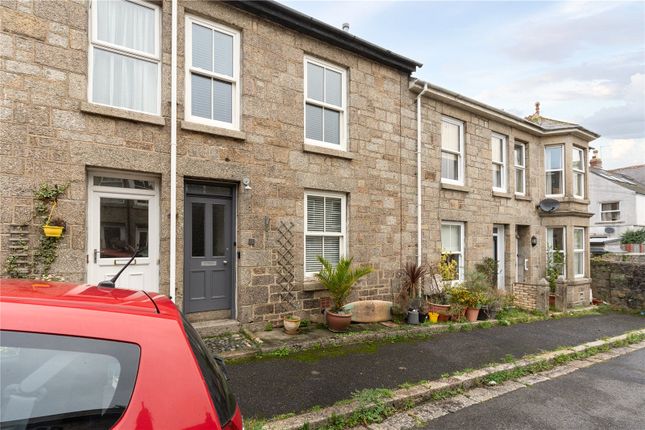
(531, 296)
(619, 282)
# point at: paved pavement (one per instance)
(609, 395)
(269, 387)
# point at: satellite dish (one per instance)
(610, 230)
(549, 205)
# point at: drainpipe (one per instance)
(419, 205)
(173, 153)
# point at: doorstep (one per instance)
(216, 327)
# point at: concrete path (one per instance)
(270, 387)
(609, 395)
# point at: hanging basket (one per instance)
(53, 230)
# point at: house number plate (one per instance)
(209, 263)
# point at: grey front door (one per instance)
(209, 253)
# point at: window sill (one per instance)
(611, 222)
(314, 149)
(454, 187)
(522, 197)
(312, 285)
(210, 129)
(122, 114)
(502, 195)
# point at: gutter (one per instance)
(493, 113)
(173, 154)
(419, 200)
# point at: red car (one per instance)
(87, 357)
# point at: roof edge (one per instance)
(303, 23)
(418, 85)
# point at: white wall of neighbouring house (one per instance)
(640, 210)
(602, 190)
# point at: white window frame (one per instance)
(462, 253)
(190, 69)
(563, 250)
(341, 110)
(561, 170)
(577, 251)
(343, 227)
(577, 172)
(610, 211)
(460, 154)
(122, 50)
(503, 163)
(520, 167)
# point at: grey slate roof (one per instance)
(306, 24)
(620, 179)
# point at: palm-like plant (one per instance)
(340, 279)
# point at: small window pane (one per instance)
(498, 149)
(315, 213)
(223, 53)
(332, 126)
(331, 249)
(126, 24)
(197, 222)
(314, 118)
(555, 239)
(579, 263)
(315, 76)
(202, 47)
(449, 166)
(577, 159)
(123, 81)
(333, 222)
(222, 101)
(201, 96)
(219, 230)
(519, 155)
(519, 181)
(313, 248)
(554, 183)
(553, 157)
(578, 238)
(497, 175)
(450, 136)
(578, 184)
(451, 238)
(122, 221)
(333, 87)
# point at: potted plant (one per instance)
(459, 299)
(54, 227)
(339, 280)
(633, 240)
(413, 274)
(493, 303)
(46, 201)
(291, 324)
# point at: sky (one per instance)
(584, 61)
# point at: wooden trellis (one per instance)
(286, 271)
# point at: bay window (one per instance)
(579, 168)
(579, 252)
(556, 249)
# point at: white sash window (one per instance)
(325, 229)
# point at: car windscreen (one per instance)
(59, 382)
(214, 375)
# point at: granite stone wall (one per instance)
(620, 283)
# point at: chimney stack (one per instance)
(595, 161)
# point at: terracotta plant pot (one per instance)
(53, 230)
(472, 314)
(551, 299)
(443, 317)
(338, 323)
(291, 325)
(439, 308)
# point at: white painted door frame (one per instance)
(498, 234)
(143, 273)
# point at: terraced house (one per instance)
(240, 140)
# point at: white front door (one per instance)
(123, 214)
(498, 254)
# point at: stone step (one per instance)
(216, 327)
